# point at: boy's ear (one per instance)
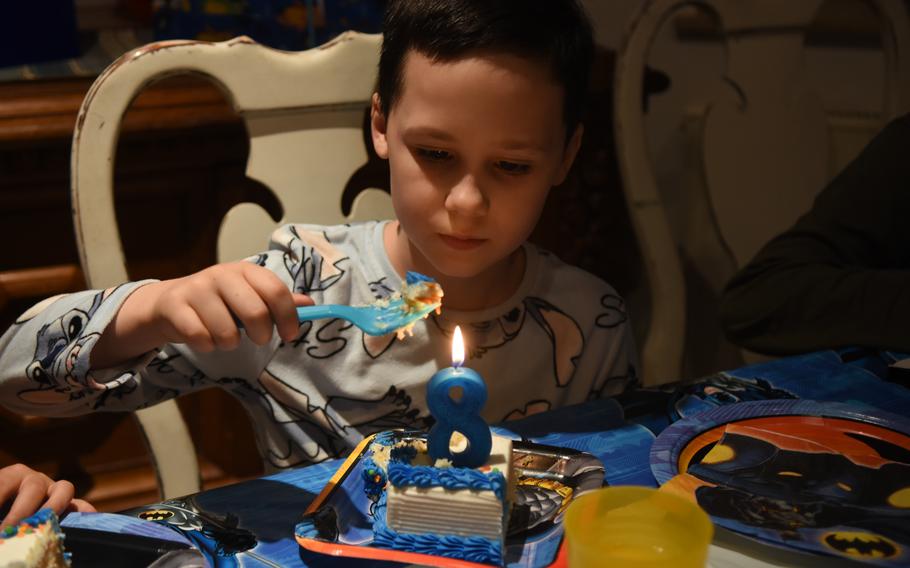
(568, 156)
(378, 128)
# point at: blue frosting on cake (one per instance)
(400, 473)
(386, 438)
(404, 475)
(374, 479)
(39, 518)
(470, 548)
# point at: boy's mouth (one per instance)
(461, 243)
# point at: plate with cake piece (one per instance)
(390, 501)
(34, 541)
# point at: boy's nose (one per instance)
(466, 198)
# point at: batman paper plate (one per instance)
(820, 477)
(338, 522)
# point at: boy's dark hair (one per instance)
(556, 32)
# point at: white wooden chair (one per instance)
(304, 114)
(760, 150)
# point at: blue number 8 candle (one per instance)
(458, 415)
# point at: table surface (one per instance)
(257, 517)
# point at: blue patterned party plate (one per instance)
(819, 477)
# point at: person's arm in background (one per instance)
(841, 275)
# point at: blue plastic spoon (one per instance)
(419, 296)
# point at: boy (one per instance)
(478, 112)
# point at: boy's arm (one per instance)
(48, 364)
(201, 310)
(841, 275)
(44, 356)
(131, 332)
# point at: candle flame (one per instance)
(457, 348)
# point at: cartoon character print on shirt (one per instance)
(320, 267)
(57, 348)
(567, 340)
(318, 270)
(37, 309)
(376, 345)
(317, 439)
(530, 408)
(607, 386)
(564, 333)
(329, 430)
(324, 338)
(614, 313)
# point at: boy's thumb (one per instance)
(302, 300)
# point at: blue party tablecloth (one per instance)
(252, 523)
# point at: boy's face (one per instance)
(474, 146)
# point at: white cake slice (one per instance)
(35, 542)
(435, 508)
(458, 511)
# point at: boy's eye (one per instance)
(434, 155)
(513, 167)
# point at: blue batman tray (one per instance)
(548, 479)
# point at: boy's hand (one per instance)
(199, 309)
(31, 491)
(202, 310)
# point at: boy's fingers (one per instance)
(279, 300)
(10, 478)
(251, 309)
(300, 300)
(284, 313)
(81, 506)
(303, 300)
(186, 327)
(217, 320)
(32, 492)
(59, 495)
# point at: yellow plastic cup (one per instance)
(636, 527)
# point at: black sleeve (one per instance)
(841, 275)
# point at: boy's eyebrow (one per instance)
(523, 145)
(429, 132)
(443, 136)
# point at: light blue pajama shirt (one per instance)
(562, 338)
